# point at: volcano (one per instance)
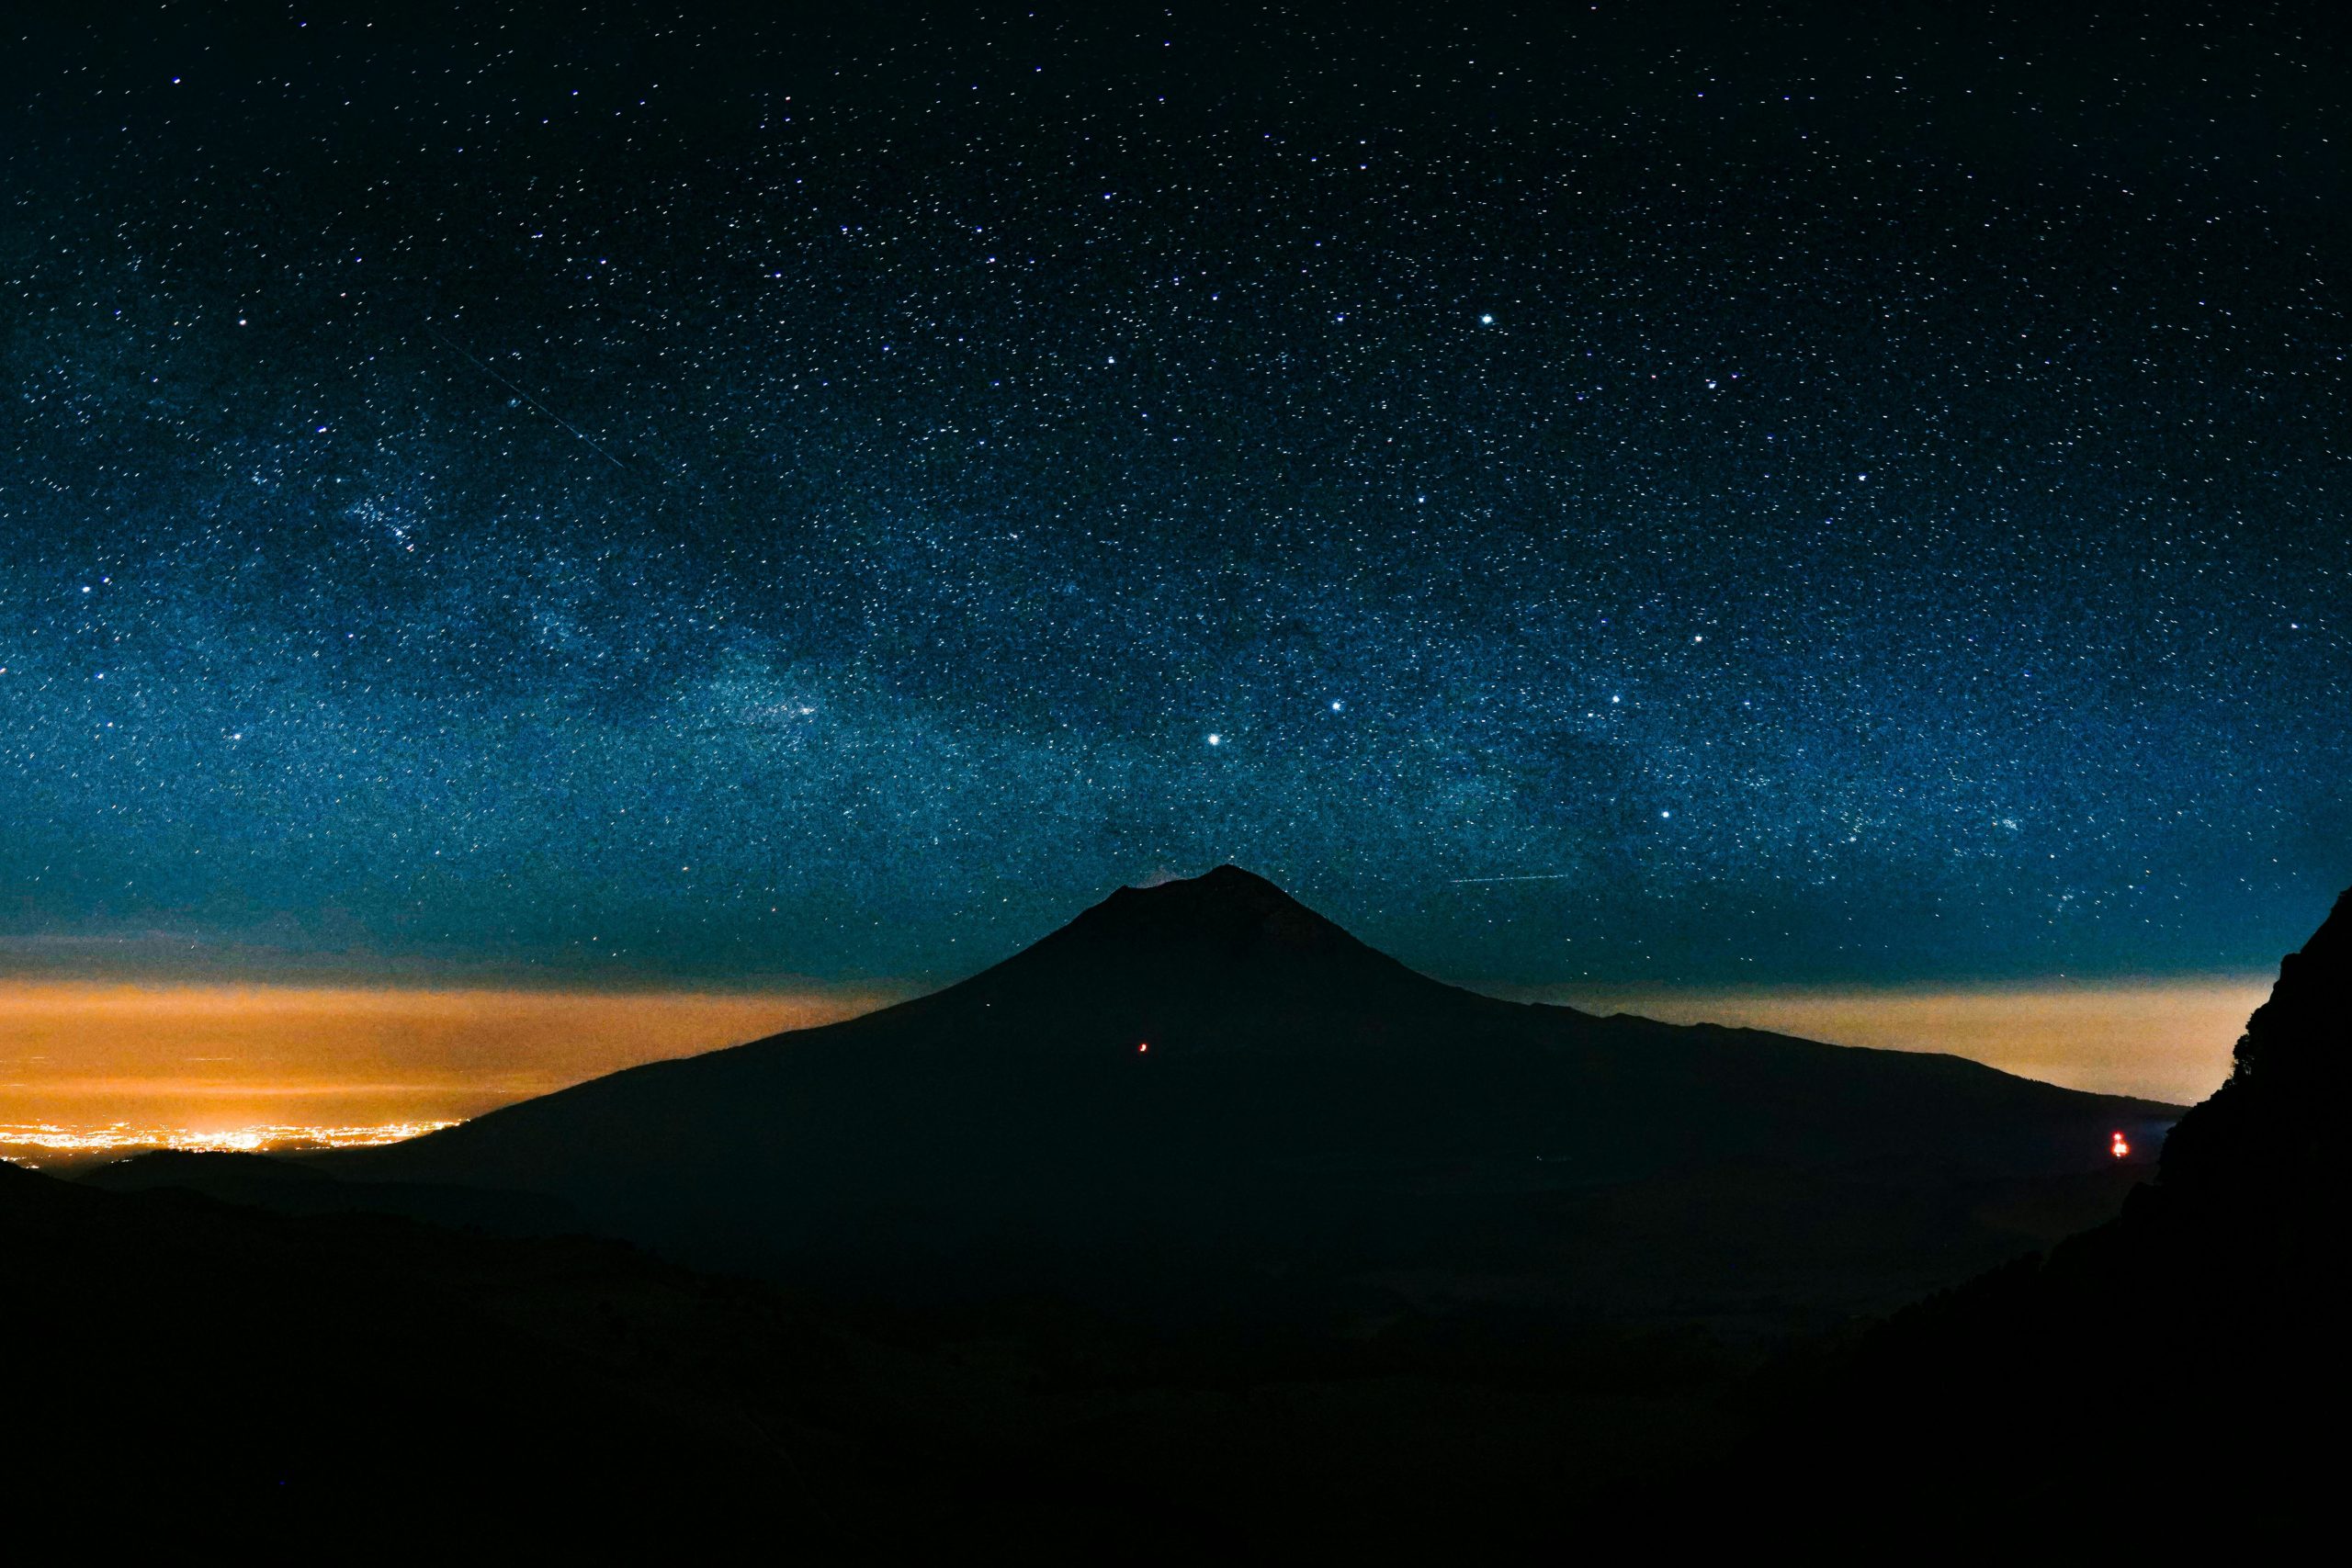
(1204, 1089)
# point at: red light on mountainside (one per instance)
(2120, 1145)
(1146, 1045)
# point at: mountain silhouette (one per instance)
(1206, 1081)
(1226, 960)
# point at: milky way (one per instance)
(1799, 495)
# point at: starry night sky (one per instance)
(616, 495)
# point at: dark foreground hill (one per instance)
(289, 1187)
(1203, 1097)
(182, 1369)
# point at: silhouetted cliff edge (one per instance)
(2173, 1369)
(2249, 1165)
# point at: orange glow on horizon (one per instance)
(2165, 1040)
(93, 1067)
(88, 1067)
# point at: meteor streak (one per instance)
(1532, 876)
(585, 438)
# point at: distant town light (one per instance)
(130, 1138)
(2119, 1146)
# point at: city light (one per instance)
(26, 1143)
